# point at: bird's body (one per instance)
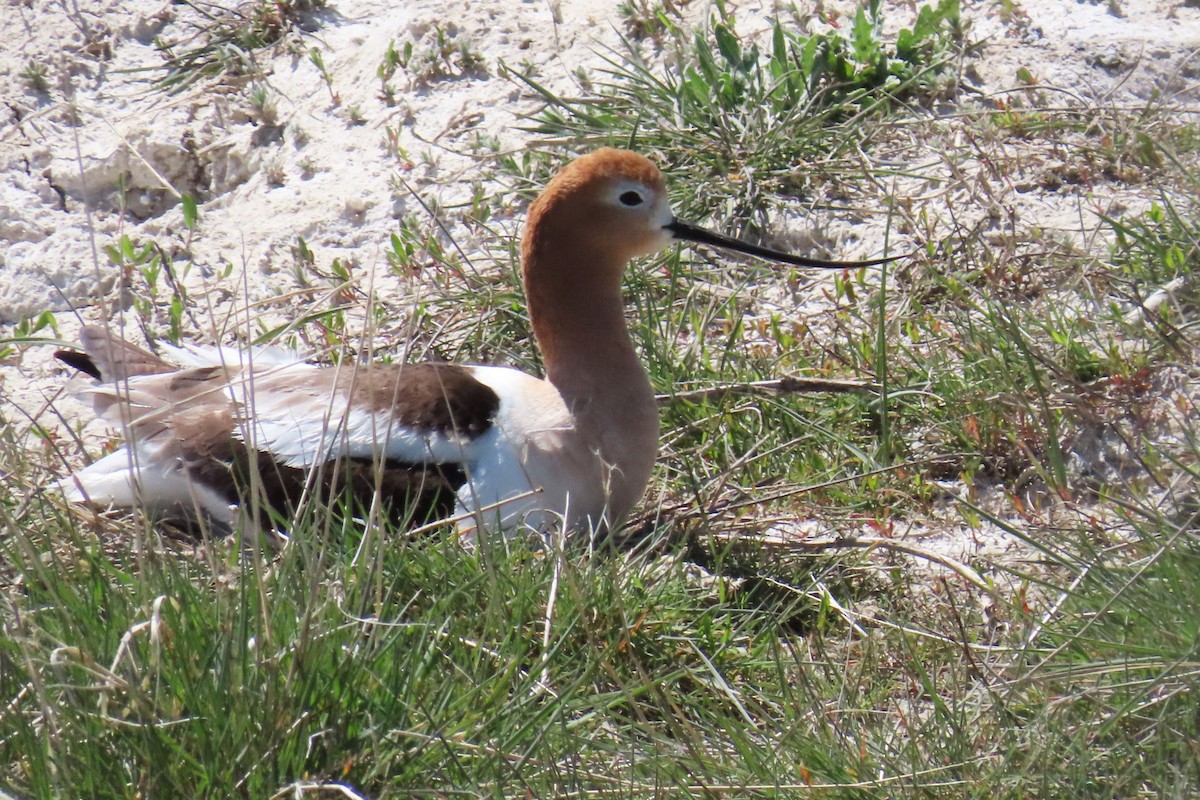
(435, 439)
(235, 433)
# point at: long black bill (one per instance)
(690, 233)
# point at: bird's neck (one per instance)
(586, 347)
(572, 282)
(592, 363)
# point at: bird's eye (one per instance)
(630, 198)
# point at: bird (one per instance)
(241, 437)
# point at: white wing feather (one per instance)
(260, 357)
(302, 429)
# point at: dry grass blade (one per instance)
(772, 388)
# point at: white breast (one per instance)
(532, 470)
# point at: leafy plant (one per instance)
(318, 61)
(24, 330)
(392, 60)
(1157, 247)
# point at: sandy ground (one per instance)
(100, 154)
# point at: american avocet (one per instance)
(493, 446)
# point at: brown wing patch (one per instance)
(196, 422)
(272, 491)
(431, 396)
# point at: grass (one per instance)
(783, 624)
(229, 38)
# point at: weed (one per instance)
(26, 330)
(392, 59)
(144, 269)
(318, 61)
(36, 77)
(440, 56)
(264, 106)
(1156, 255)
(392, 146)
(274, 172)
(226, 41)
(303, 261)
(1156, 247)
(415, 248)
(641, 19)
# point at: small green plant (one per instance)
(24, 330)
(318, 61)
(392, 60)
(414, 248)
(441, 57)
(1156, 247)
(643, 19)
(126, 255)
(299, 135)
(264, 106)
(275, 173)
(30, 326)
(391, 144)
(470, 60)
(150, 263)
(1155, 258)
(304, 262)
(36, 77)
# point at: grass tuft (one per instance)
(736, 114)
(226, 40)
